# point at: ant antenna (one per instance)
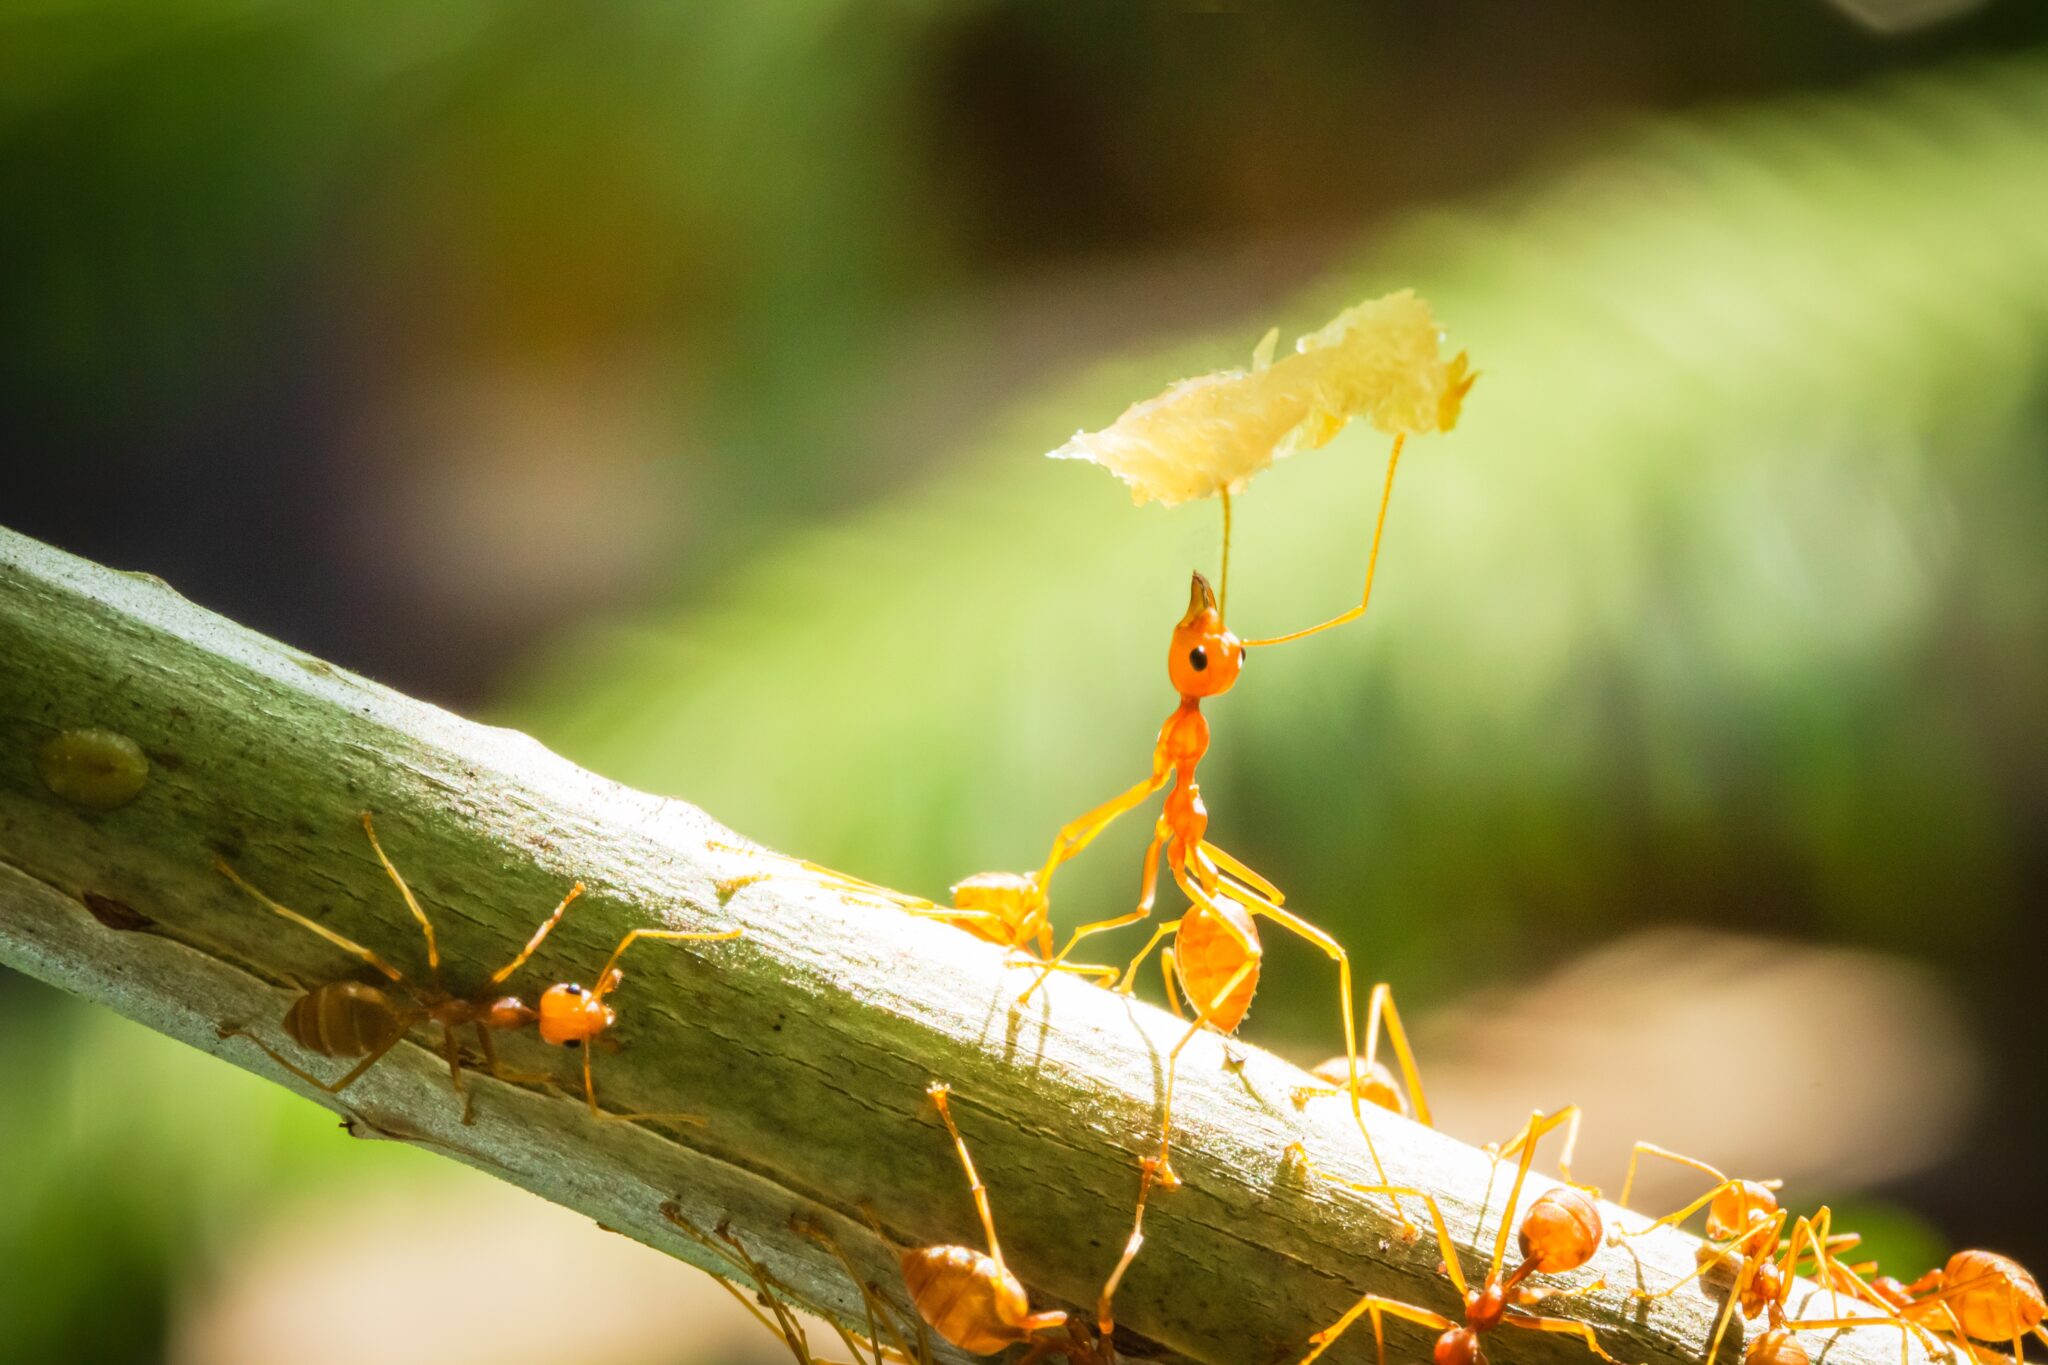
(1372, 562)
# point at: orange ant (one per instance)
(352, 1019)
(971, 1298)
(1560, 1232)
(1982, 1295)
(1746, 1224)
(1002, 908)
(1216, 942)
(1376, 1083)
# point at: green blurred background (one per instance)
(670, 381)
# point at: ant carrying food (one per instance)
(1560, 1232)
(1202, 437)
(353, 1019)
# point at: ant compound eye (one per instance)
(572, 1043)
(1198, 658)
(572, 989)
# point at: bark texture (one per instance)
(805, 1046)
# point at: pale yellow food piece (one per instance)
(1379, 360)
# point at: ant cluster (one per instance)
(1206, 437)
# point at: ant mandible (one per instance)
(353, 1019)
(1560, 1232)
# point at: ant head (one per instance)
(1561, 1231)
(1458, 1346)
(509, 1012)
(1740, 1206)
(1204, 658)
(571, 1016)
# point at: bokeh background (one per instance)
(670, 380)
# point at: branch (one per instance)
(806, 1045)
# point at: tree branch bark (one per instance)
(806, 1045)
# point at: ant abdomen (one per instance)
(1458, 1346)
(343, 1019)
(1560, 1232)
(1208, 954)
(1776, 1347)
(968, 1298)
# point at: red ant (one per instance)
(1216, 942)
(1982, 1296)
(352, 1019)
(1746, 1224)
(972, 1299)
(1560, 1232)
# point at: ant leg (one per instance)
(1104, 976)
(1642, 1149)
(1078, 833)
(1127, 979)
(1381, 1005)
(1943, 1296)
(606, 1116)
(1699, 1272)
(1376, 1306)
(1242, 873)
(1566, 1326)
(607, 982)
(1372, 562)
(608, 979)
(901, 899)
(1818, 1231)
(1173, 994)
(1148, 892)
(1570, 1117)
(453, 1052)
(1287, 919)
(1908, 1331)
(341, 941)
(547, 926)
(939, 1093)
(1532, 1133)
(1202, 1015)
(703, 1239)
(1105, 1316)
(1436, 1215)
(877, 1309)
(374, 1056)
(1755, 1256)
(497, 1068)
(1675, 1218)
(426, 925)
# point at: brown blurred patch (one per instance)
(462, 1271)
(1767, 1059)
